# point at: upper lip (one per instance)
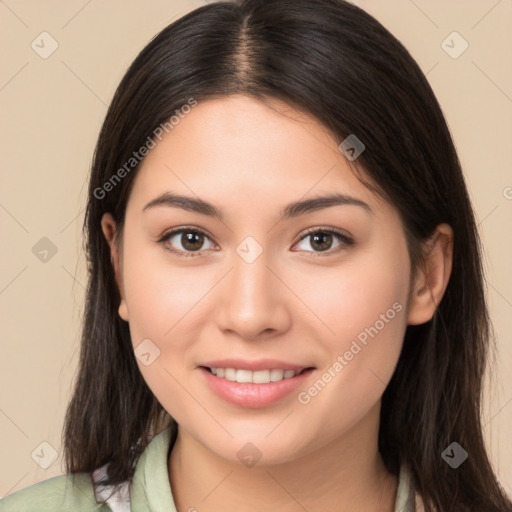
(260, 364)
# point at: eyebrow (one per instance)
(295, 209)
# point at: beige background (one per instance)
(52, 110)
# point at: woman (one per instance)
(285, 305)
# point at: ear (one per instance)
(432, 277)
(109, 228)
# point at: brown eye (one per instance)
(185, 242)
(191, 241)
(322, 240)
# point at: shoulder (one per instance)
(58, 494)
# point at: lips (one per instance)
(249, 383)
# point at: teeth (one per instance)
(276, 375)
(243, 376)
(230, 374)
(257, 377)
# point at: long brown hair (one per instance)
(334, 61)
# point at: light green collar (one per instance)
(150, 490)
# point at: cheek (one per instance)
(363, 303)
(352, 296)
(166, 305)
(160, 295)
(162, 300)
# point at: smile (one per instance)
(256, 377)
(254, 389)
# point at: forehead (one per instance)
(239, 150)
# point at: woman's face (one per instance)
(261, 285)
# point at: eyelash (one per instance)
(344, 239)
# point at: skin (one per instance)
(250, 160)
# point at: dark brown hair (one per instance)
(334, 61)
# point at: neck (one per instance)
(346, 474)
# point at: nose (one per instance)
(253, 302)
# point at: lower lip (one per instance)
(253, 395)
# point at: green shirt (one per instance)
(150, 490)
